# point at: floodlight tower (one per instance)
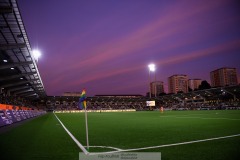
(151, 68)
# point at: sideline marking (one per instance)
(118, 149)
(135, 149)
(73, 138)
(167, 145)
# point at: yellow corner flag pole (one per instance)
(85, 106)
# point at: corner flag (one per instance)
(82, 100)
(83, 104)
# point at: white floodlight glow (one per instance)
(5, 60)
(12, 68)
(36, 54)
(151, 67)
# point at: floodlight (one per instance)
(151, 67)
(36, 54)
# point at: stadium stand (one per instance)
(21, 86)
(214, 98)
(10, 114)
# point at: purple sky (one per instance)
(106, 45)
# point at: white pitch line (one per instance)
(166, 145)
(118, 149)
(135, 149)
(73, 138)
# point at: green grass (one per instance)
(38, 139)
(44, 138)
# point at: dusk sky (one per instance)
(105, 46)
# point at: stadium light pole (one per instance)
(151, 68)
(155, 86)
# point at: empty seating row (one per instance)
(8, 117)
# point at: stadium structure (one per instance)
(23, 96)
(21, 84)
(20, 80)
(210, 99)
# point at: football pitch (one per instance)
(176, 134)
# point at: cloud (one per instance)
(217, 49)
(147, 36)
(172, 25)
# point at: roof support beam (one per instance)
(23, 91)
(208, 92)
(16, 76)
(234, 96)
(32, 95)
(3, 27)
(14, 84)
(6, 9)
(18, 88)
(12, 46)
(5, 66)
(199, 96)
(27, 93)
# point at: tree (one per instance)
(204, 85)
(162, 94)
(179, 92)
(147, 94)
(190, 89)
